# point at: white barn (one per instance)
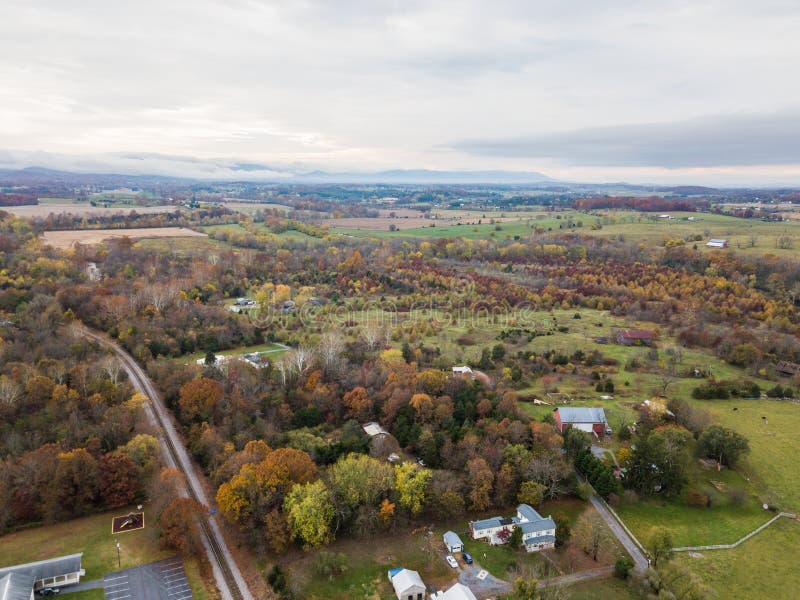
(407, 584)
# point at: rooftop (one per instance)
(582, 414)
(43, 569)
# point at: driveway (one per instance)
(482, 583)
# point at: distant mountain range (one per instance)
(266, 174)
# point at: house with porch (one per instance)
(49, 573)
(538, 533)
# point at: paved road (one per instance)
(636, 554)
(229, 578)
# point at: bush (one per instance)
(737, 496)
(630, 497)
(623, 567)
(711, 391)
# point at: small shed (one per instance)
(715, 243)
(453, 542)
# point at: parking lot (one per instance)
(162, 580)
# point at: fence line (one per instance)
(736, 543)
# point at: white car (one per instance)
(452, 561)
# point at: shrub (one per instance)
(737, 496)
(623, 567)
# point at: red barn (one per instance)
(629, 337)
(590, 420)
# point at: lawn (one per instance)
(96, 594)
(765, 566)
(92, 536)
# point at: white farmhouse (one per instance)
(538, 533)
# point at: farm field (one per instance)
(65, 239)
(746, 236)
(765, 566)
(92, 536)
(188, 246)
(62, 206)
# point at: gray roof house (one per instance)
(453, 542)
(538, 533)
(52, 572)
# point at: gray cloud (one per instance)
(371, 85)
(727, 140)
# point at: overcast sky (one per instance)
(664, 91)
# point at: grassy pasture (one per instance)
(765, 566)
(774, 445)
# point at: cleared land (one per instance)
(66, 239)
(367, 563)
(44, 209)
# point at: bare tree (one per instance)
(111, 366)
(591, 532)
(372, 333)
(330, 350)
(10, 391)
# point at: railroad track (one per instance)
(229, 579)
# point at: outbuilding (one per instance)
(453, 542)
(407, 584)
(588, 419)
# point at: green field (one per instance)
(722, 523)
(92, 536)
(188, 246)
(765, 566)
(748, 236)
(774, 444)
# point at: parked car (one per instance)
(452, 561)
(51, 591)
(467, 557)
